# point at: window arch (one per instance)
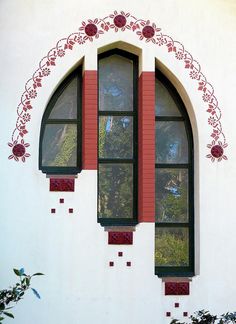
(60, 137)
(174, 234)
(117, 148)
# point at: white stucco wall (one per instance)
(72, 249)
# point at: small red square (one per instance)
(176, 305)
(128, 264)
(168, 314)
(111, 264)
(70, 210)
(120, 254)
(61, 200)
(185, 314)
(53, 210)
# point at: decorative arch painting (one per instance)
(147, 32)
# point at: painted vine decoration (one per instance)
(145, 31)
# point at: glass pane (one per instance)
(116, 83)
(115, 191)
(171, 142)
(164, 103)
(66, 105)
(172, 195)
(116, 137)
(171, 247)
(59, 147)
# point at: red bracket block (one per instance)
(120, 237)
(62, 184)
(177, 288)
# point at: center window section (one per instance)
(117, 151)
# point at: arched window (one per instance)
(174, 235)
(117, 151)
(60, 138)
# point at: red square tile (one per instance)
(53, 210)
(111, 264)
(128, 264)
(61, 200)
(176, 305)
(71, 210)
(168, 314)
(120, 254)
(185, 314)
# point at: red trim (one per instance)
(146, 148)
(89, 112)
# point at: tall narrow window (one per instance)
(60, 138)
(174, 237)
(117, 151)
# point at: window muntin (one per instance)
(117, 151)
(60, 138)
(174, 235)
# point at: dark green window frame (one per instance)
(179, 271)
(64, 170)
(105, 221)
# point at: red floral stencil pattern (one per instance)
(146, 31)
(177, 288)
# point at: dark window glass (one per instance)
(117, 150)
(174, 235)
(65, 106)
(116, 83)
(164, 103)
(60, 138)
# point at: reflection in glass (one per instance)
(171, 247)
(59, 145)
(164, 103)
(66, 105)
(172, 195)
(116, 84)
(171, 142)
(115, 137)
(115, 191)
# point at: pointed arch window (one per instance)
(60, 138)
(174, 234)
(117, 151)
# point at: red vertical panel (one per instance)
(146, 148)
(89, 112)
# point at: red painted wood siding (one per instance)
(90, 115)
(146, 148)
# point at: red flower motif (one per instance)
(193, 74)
(212, 121)
(61, 52)
(91, 30)
(160, 41)
(33, 94)
(119, 21)
(217, 151)
(206, 97)
(46, 71)
(179, 55)
(18, 150)
(148, 32)
(26, 117)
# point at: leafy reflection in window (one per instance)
(172, 247)
(115, 137)
(59, 146)
(115, 191)
(171, 195)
